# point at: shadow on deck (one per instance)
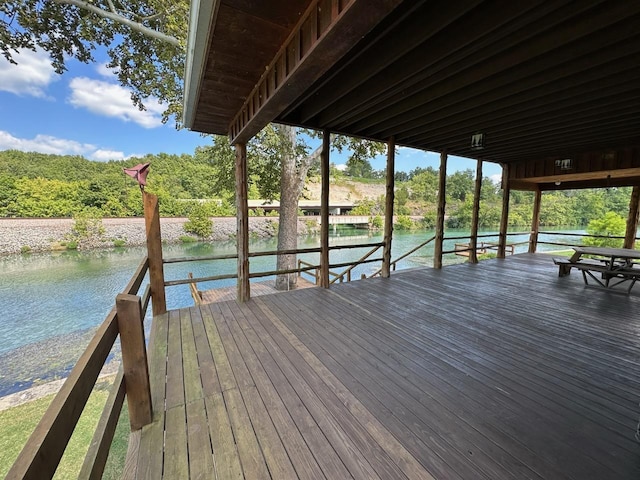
(494, 371)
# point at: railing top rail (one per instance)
(134, 284)
(570, 234)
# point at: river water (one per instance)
(52, 302)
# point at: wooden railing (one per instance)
(460, 248)
(402, 257)
(42, 453)
(581, 235)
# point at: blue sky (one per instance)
(85, 112)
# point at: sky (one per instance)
(86, 112)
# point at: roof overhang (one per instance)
(539, 79)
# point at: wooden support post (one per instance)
(504, 219)
(134, 360)
(242, 229)
(535, 222)
(388, 209)
(442, 195)
(473, 243)
(632, 218)
(154, 253)
(324, 209)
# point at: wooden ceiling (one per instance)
(538, 78)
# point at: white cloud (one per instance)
(341, 167)
(44, 144)
(31, 76)
(102, 155)
(59, 146)
(111, 100)
(496, 178)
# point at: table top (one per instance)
(609, 252)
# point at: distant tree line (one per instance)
(40, 185)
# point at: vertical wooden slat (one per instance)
(473, 243)
(388, 208)
(242, 215)
(632, 218)
(504, 219)
(154, 252)
(442, 185)
(535, 222)
(324, 210)
(134, 360)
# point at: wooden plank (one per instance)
(223, 368)
(175, 450)
(208, 373)
(134, 360)
(175, 376)
(190, 368)
(151, 449)
(632, 218)
(388, 208)
(504, 218)
(130, 470)
(154, 252)
(473, 241)
(305, 464)
(200, 453)
(324, 209)
(535, 221)
(370, 436)
(225, 453)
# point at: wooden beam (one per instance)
(134, 360)
(388, 208)
(442, 194)
(154, 252)
(504, 219)
(242, 229)
(324, 209)
(535, 222)
(473, 243)
(309, 52)
(632, 218)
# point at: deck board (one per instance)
(499, 370)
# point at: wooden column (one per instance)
(242, 228)
(134, 360)
(504, 219)
(154, 253)
(473, 243)
(388, 208)
(632, 218)
(442, 195)
(535, 222)
(324, 209)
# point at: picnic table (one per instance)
(614, 265)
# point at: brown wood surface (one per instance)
(504, 217)
(447, 374)
(154, 252)
(535, 221)
(442, 199)
(632, 218)
(385, 270)
(324, 209)
(473, 241)
(242, 214)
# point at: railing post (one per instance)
(242, 215)
(632, 218)
(388, 209)
(535, 222)
(442, 185)
(154, 252)
(473, 241)
(504, 219)
(324, 210)
(134, 360)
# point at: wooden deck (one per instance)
(494, 371)
(266, 287)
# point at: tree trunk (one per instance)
(293, 174)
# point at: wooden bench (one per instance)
(588, 266)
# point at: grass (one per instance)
(17, 423)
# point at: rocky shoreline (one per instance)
(47, 234)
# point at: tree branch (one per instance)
(138, 27)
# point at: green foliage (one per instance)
(611, 224)
(368, 207)
(377, 222)
(188, 239)
(71, 245)
(403, 222)
(25, 249)
(199, 222)
(119, 242)
(87, 224)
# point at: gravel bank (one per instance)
(41, 235)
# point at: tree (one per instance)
(145, 40)
(611, 224)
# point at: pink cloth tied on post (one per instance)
(139, 173)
